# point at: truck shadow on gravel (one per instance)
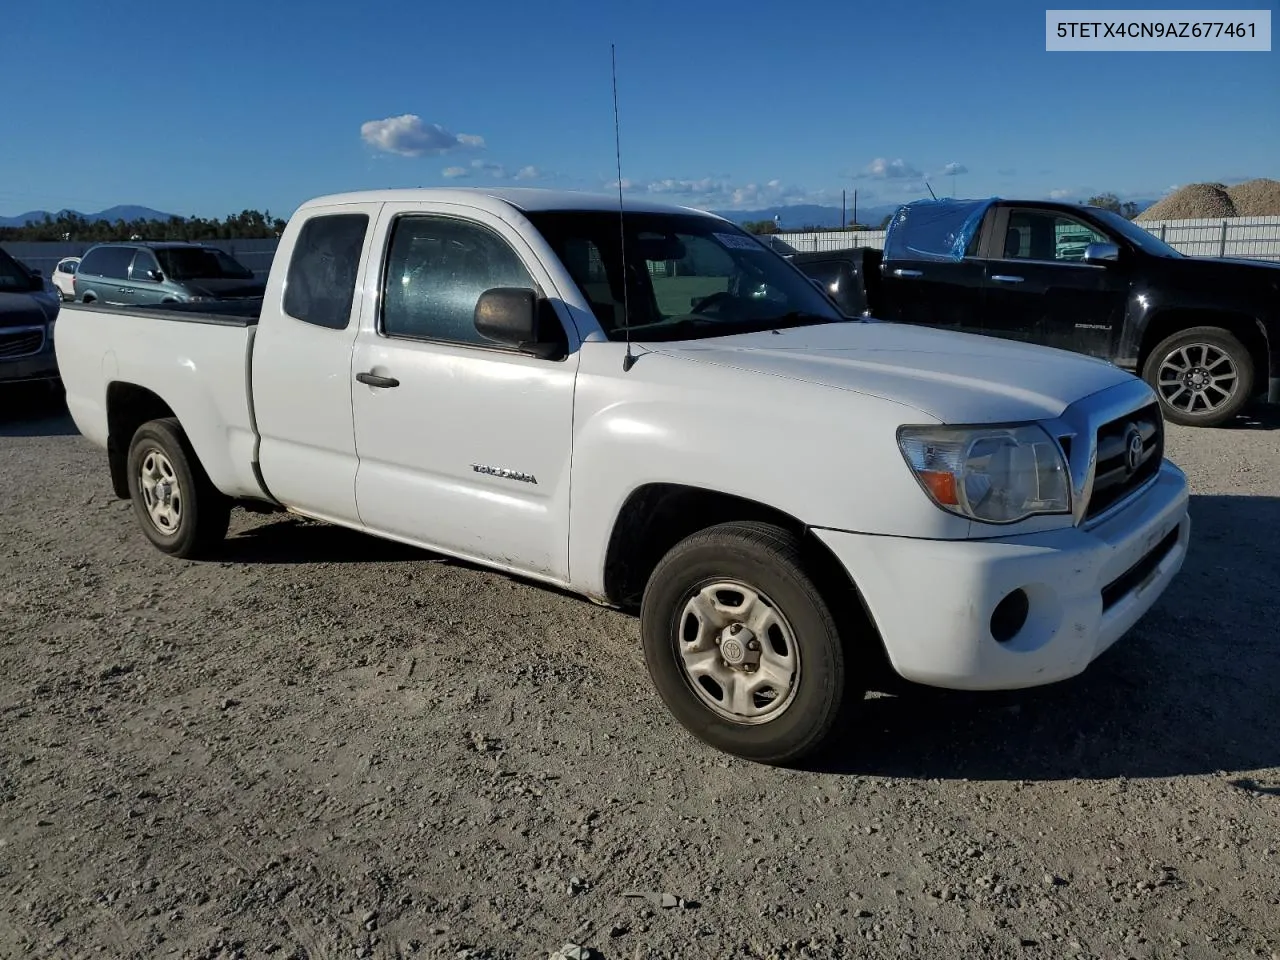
(1191, 690)
(294, 540)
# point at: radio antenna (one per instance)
(931, 193)
(630, 358)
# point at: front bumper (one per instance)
(39, 366)
(932, 600)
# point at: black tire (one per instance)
(768, 560)
(203, 512)
(1199, 342)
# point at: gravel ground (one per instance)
(325, 745)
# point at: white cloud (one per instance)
(720, 193)
(1061, 193)
(882, 168)
(954, 168)
(495, 171)
(407, 136)
(492, 171)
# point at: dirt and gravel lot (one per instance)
(324, 745)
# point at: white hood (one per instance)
(954, 377)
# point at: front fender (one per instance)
(827, 457)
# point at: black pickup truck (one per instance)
(1205, 333)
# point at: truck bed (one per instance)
(192, 360)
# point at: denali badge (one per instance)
(1133, 449)
(504, 473)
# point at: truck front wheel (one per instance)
(1203, 376)
(741, 646)
(178, 508)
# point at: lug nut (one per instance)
(736, 628)
(753, 644)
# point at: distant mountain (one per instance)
(126, 212)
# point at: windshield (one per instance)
(1145, 241)
(200, 263)
(688, 276)
(12, 276)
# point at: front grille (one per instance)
(20, 343)
(1116, 475)
(1132, 578)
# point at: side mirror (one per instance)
(37, 281)
(1101, 253)
(516, 317)
(155, 275)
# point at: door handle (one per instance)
(1005, 278)
(900, 272)
(373, 380)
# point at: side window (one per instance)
(436, 270)
(112, 262)
(321, 281)
(143, 261)
(1042, 235)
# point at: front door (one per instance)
(463, 444)
(143, 287)
(1039, 288)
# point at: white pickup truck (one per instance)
(648, 407)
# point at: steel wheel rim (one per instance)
(1198, 378)
(161, 491)
(738, 652)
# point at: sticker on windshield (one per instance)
(736, 241)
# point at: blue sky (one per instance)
(198, 109)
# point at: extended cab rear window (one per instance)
(321, 282)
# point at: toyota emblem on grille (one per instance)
(1133, 449)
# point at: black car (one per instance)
(27, 315)
(1205, 333)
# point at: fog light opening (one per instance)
(1009, 616)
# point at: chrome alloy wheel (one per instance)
(1197, 378)
(738, 651)
(161, 492)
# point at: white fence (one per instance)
(1255, 238)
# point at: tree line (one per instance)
(246, 225)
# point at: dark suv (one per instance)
(149, 273)
(27, 316)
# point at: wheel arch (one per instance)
(129, 406)
(656, 516)
(1249, 330)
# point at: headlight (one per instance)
(991, 474)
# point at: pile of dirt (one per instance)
(1204, 201)
(1256, 198)
(1192, 202)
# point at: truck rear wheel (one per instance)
(741, 646)
(1203, 376)
(180, 511)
